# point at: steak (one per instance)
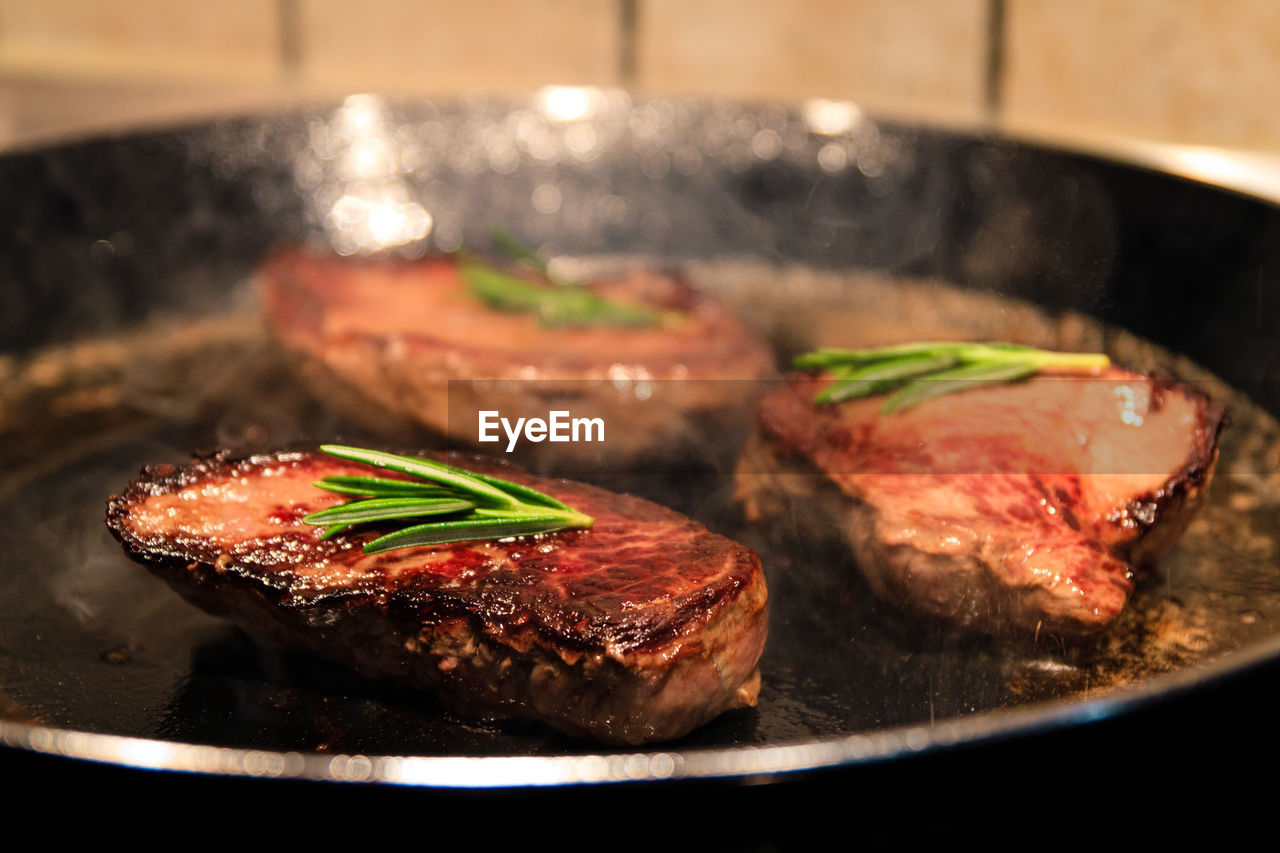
(1010, 508)
(639, 629)
(381, 339)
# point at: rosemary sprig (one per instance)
(380, 486)
(465, 506)
(916, 372)
(506, 243)
(557, 303)
(384, 509)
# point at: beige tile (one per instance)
(229, 39)
(438, 46)
(1203, 71)
(39, 109)
(919, 57)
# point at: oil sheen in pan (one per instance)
(90, 642)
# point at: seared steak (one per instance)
(382, 338)
(639, 629)
(1008, 508)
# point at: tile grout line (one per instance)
(628, 15)
(993, 72)
(290, 39)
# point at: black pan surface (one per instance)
(130, 337)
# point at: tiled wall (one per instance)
(920, 57)
(1202, 71)
(1184, 70)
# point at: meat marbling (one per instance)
(1010, 508)
(639, 629)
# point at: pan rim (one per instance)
(745, 763)
(1254, 173)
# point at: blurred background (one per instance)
(1086, 73)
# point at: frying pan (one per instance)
(130, 336)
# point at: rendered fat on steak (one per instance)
(1009, 508)
(640, 629)
(382, 338)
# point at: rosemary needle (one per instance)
(918, 371)
(557, 303)
(464, 506)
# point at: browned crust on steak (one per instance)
(382, 339)
(1025, 539)
(640, 629)
(1157, 519)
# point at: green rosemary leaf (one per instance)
(570, 517)
(555, 304)
(956, 364)
(882, 376)
(428, 469)
(579, 307)
(387, 509)
(504, 292)
(465, 530)
(379, 486)
(832, 357)
(961, 351)
(478, 506)
(515, 250)
(852, 389)
(950, 381)
(522, 493)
